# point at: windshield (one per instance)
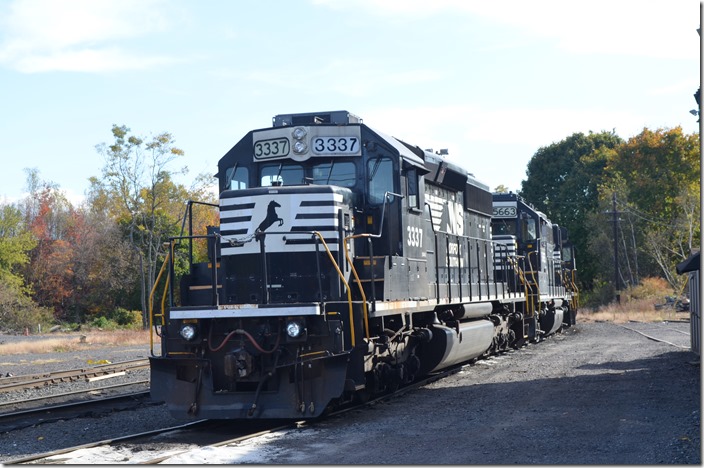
(282, 174)
(333, 172)
(503, 227)
(329, 172)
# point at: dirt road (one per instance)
(598, 394)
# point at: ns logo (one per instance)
(271, 217)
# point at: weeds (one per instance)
(637, 304)
(638, 310)
(74, 341)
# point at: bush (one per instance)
(19, 312)
(103, 323)
(126, 317)
(119, 318)
(650, 288)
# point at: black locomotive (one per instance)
(347, 263)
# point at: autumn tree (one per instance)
(658, 176)
(47, 214)
(104, 277)
(143, 198)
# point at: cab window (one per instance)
(281, 174)
(238, 178)
(412, 188)
(341, 173)
(380, 179)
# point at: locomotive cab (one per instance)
(529, 256)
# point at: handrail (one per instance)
(535, 281)
(151, 303)
(342, 277)
(575, 297)
(356, 277)
(524, 281)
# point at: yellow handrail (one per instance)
(535, 282)
(151, 301)
(521, 276)
(356, 277)
(342, 277)
(576, 291)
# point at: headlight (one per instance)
(188, 332)
(294, 329)
(299, 133)
(299, 147)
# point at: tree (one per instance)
(145, 201)
(15, 244)
(659, 175)
(50, 270)
(562, 181)
(17, 310)
(103, 276)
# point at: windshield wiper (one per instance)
(229, 177)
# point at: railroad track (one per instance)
(17, 420)
(44, 400)
(655, 331)
(160, 445)
(90, 374)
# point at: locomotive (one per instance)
(347, 263)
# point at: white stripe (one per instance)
(244, 310)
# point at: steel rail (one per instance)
(8, 384)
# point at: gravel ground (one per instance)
(597, 394)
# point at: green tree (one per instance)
(17, 310)
(562, 181)
(15, 244)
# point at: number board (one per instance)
(504, 210)
(335, 145)
(273, 148)
(313, 141)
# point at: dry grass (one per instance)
(76, 341)
(637, 304)
(639, 310)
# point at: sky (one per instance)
(490, 81)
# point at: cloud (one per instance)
(88, 60)
(643, 28)
(349, 77)
(78, 35)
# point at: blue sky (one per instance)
(490, 81)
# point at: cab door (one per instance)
(414, 244)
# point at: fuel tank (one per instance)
(450, 346)
(552, 320)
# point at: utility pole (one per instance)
(615, 220)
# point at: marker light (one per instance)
(300, 147)
(299, 133)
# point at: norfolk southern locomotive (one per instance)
(347, 263)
